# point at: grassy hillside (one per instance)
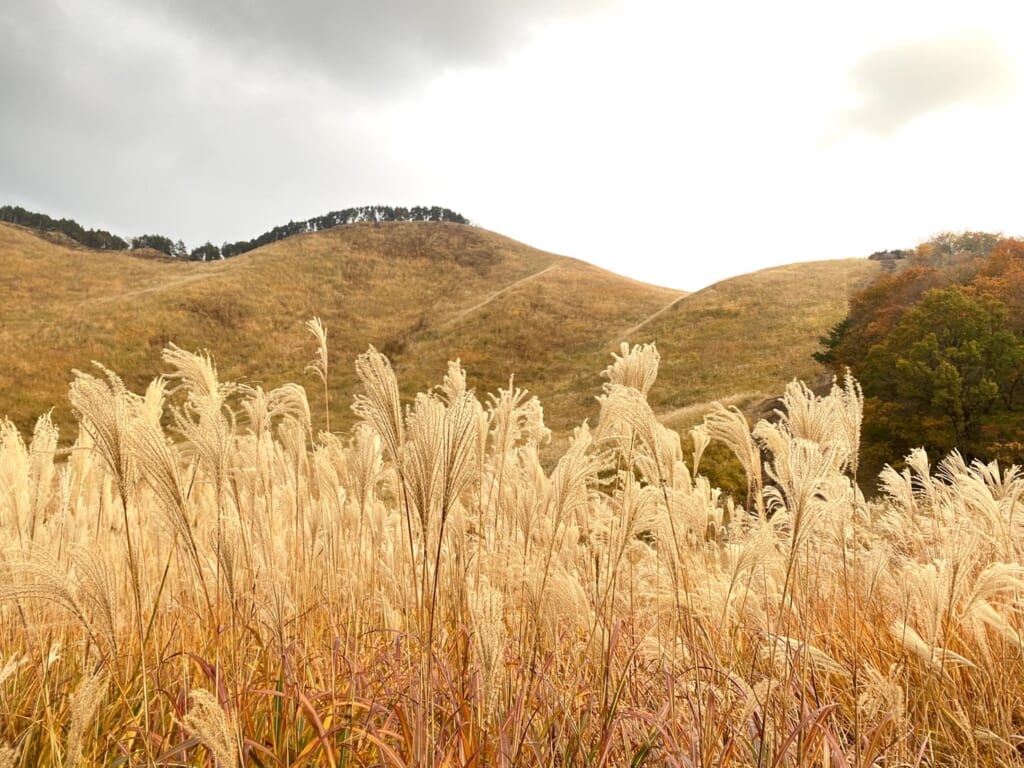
(741, 340)
(423, 293)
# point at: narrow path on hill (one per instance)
(175, 283)
(466, 312)
(624, 335)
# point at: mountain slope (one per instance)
(424, 293)
(443, 289)
(741, 340)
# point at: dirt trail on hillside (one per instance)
(164, 286)
(466, 312)
(624, 335)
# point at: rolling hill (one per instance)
(424, 293)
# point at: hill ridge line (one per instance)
(488, 299)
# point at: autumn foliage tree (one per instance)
(939, 350)
(1002, 277)
(944, 365)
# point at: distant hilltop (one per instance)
(105, 241)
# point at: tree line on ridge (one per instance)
(105, 241)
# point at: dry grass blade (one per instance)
(84, 703)
(730, 426)
(379, 404)
(208, 722)
(319, 366)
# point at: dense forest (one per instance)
(91, 238)
(937, 343)
(102, 240)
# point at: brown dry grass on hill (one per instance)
(67, 307)
(421, 292)
(744, 338)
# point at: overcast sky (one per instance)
(676, 142)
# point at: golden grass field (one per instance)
(205, 580)
(206, 561)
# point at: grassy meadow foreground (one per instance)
(204, 580)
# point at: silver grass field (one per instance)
(203, 580)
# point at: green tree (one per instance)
(206, 252)
(829, 354)
(944, 366)
(156, 242)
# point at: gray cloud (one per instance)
(154, 115)
(899, 83)
(371, 46)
